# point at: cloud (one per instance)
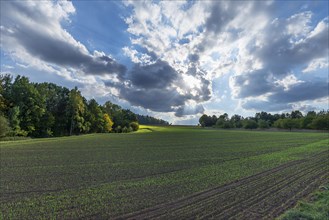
(189, 110)
(285, 99)
(178, 49)
(161, 100)
(283, 47)
(301, 92)
(316, 64)
(266, 106)
(157, 75)
(161, 88)
(36, 29)
(244, 39)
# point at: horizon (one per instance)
(175, 60)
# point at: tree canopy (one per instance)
(264, 120)
(46, 109)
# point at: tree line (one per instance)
(46, 109)
(264, 120)
(149, 120)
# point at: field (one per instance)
(161, 172)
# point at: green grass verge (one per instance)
(316, 208)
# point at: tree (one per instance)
(278, 123)
(307, 120)
(14, 122)
(95, 116)
(263, 124)
(288, 123)
(223, 121)
(5, 92)
(296, 114)
(76, 111)
(107, 123)
(4, 126)
(236, 121)
(149, 120)
(321, 122)
(31, 104)
(207, 121)
(250, 124)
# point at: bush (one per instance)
(263, 124)
(321, 122)
(250, 124)
(118, 129)
(134, 126)
(125, 130)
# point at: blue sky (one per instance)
(175, 59)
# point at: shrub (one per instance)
(134, 126)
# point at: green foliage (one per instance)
(121, 117)
(236, 121)
(263, 124)
(45, 110)
(288, 123)
(30, 102)
(76, 111)
(149, 120)
(134, 126)
(321, 122)
(207, 121)
(4, 126)
(250, 124)
(316, 209)
(264, 120)
(95, 116)
(14, 119)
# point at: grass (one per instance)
(106, 175)
(317, 208)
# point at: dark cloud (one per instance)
(50, 43)
(302, 92)
(281, 56)
(194, 58)
(254, 84)
(189, 110)
(222, 12)
(284, 99)
(157, 75)
(154, 87)
(160, 100)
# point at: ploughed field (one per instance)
(161, 173)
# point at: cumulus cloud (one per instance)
(36, 30)
(189, 110)
(283, 47)
(157, 75)
(316, 64)
(177, 49)
(244, 39)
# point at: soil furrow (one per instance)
(254, 185)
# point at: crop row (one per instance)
(239, 199)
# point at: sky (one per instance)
(175, 60)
